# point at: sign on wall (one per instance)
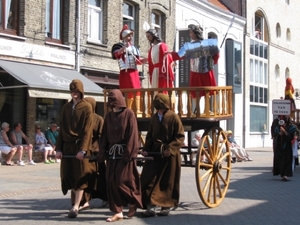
(184, 64)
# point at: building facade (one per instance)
(44, 44)
(272, 52)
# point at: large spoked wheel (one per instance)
(213, 167)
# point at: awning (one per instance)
(50, 82)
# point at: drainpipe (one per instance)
(77, 53)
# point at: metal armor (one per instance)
(200, 54)
(130, 56)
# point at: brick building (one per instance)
(44, 44)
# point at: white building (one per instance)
(270, 58)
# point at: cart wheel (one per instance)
(213, 167)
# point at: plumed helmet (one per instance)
(125, 32)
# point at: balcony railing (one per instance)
(215, 104)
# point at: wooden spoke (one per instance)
(213, 167)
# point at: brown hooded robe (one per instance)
(97, 184)
(75, 134)
(123, 183)
(160, 178)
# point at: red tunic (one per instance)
(128, 78)
(165, 71)
(200, 79)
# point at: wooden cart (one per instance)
(213, 162)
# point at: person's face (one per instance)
(75, 95)
(149, 37)
(6, 129)
(53, 127)
(38, 129)
(19, 127)
(192, 35)
(128, 38)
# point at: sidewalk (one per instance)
(31, 195)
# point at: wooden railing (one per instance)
(216, 102)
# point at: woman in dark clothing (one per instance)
(283, 155)
(119, 144)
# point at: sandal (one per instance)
(148, 213)
(9, 164)
(131, 211)
(114, 218)
(73, 213)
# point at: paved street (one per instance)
(32, 195)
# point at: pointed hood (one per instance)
(116, 99)
(92, 101)
(77, 85)
(161, 101)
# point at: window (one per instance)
(95, 21)
(128, 15)
(258, 76)
(278, 30)
(277, 73)
(288, 36)
(259, 27)
(287, 73)
(53, 30)
(156, 22)
(9, 16)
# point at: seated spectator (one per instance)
(51, 136)
(16, 138)
(196, 140)
(6, 146)
(42, 146)
(238, 149)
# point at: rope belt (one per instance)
(114, 148)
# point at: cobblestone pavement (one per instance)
(31, 195)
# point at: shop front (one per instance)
(34, 94)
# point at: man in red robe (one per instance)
(160, 65)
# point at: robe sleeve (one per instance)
(103, 141)
(178, 137)
(87, 132)
(149, 140)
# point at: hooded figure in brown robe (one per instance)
(73, 143)
(160, 178)
(119, 145)
(97, 183)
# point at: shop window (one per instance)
(47, 111)
(95, 21)
(9, 16)
(54, 21)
